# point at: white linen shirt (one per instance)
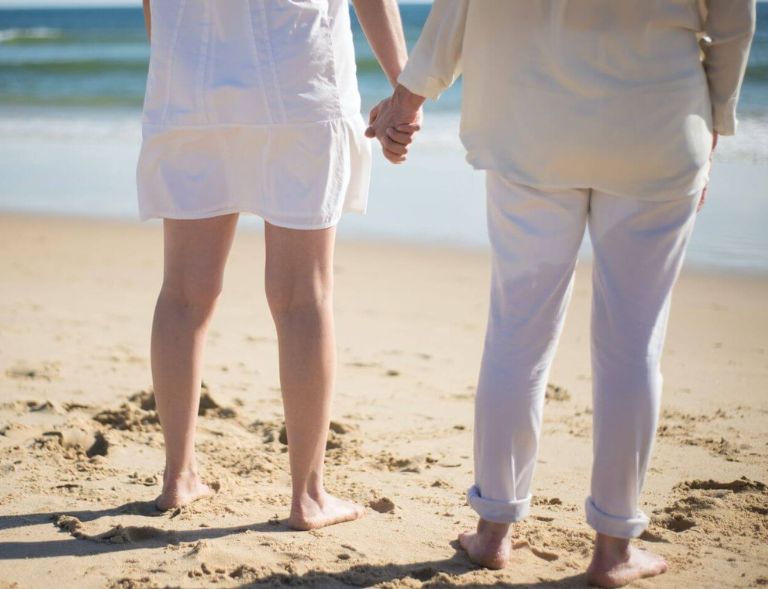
(618, 95)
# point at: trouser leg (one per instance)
(535, 237)
(638, 252)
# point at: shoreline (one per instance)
(251, 223)
(435, 198)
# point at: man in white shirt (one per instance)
(584, 113)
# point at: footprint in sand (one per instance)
(337, 434)
(716, 508)
(382, 505)
(737, 486)
(48, 371)
(676, 522)
(395, 464)
(140, 412)
(556, 393)
(74, 441)
(541, 553)
(43, 407)
(117, 535)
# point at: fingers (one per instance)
(398, 137)
(409, 128)
(393, 146)
(374, 114)
(702, 199)
(395, 158)
(394, 139)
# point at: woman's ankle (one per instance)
(181, 473)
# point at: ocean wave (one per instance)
(31, 35)
(750, 142)
(757, 73)
(77, 66)
(122, 127)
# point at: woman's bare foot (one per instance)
(616, 563)
(181, 489)
(310, 513)
(489, 546)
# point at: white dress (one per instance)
(252, 106)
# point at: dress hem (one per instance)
(198, 215)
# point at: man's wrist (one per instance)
(407, 98)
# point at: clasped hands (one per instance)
(394, 121)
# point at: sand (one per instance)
(81, 451)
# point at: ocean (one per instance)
(72, 84)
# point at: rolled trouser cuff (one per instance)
(612, 525)
(493, 510)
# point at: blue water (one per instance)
(99, 57)
(72, 83)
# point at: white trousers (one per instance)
(638, 251)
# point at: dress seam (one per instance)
(270, 58)
(257, 62)
(325, 19)
(204, 65)
(172, 61)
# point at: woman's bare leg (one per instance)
(299, 285)
(195, 255)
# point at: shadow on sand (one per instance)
(434, 574)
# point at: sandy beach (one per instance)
(81, 451)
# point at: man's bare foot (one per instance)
(489, 546)
(616, 563)
(181, 489)
(311, 513)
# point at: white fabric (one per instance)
(638, 251)
(253, 106)
(599, 94)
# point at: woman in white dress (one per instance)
(252, 106)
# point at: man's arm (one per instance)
(728, 29)
(148, 19)
(380, 20)
(435, 61)
(433, 66)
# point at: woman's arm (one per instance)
(148, 19)
(729, 28)
(380, 20)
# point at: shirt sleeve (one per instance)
(435, 62)
(728, 30)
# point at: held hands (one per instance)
(394, 122)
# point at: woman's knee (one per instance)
(292, 295)
(197, 296)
